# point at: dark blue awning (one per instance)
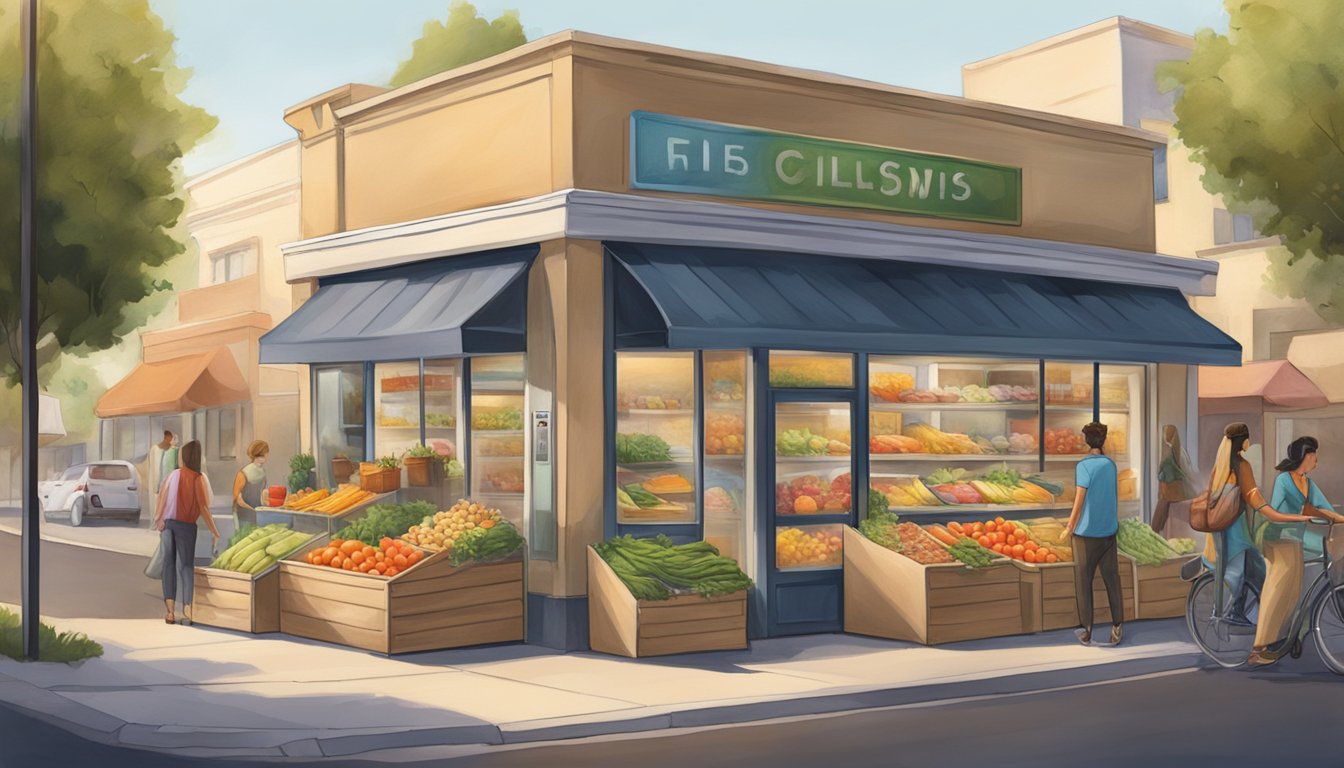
(449, 307)
(671, 296)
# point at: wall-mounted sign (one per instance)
(678, 154)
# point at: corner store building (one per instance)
(516, 177)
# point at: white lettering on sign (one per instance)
(673, 156)
(916, 188)
(735, 164)
(959, 181)
(889, 170)
(788, 178)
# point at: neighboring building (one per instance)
(201, 378)
(584, 238)
(1107, 72)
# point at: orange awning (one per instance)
(180, 385)
(1277, 382)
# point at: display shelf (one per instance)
(1000, 509)
(952, 458)
(404, 427)
(1007, 405)
(1074, 408)
(481, 458)
(657, 412)
(812, 459)
(726, 405)
(378, 499)
(490, 433)
(645, 466)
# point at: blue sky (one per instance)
(254, 58)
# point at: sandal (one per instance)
(1084, 635)
(1117, 634)
(169, 619)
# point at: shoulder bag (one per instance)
(1211, 514)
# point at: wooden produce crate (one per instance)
(240, 601)
(889, 595)
(1049, 601)
(623, 626)
(1159, 591)
(431, 606)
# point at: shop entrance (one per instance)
(811, 472)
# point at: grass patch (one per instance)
(63, 647)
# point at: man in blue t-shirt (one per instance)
(1093, 525)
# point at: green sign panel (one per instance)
(677, 154)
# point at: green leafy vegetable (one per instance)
(301, 468)
(1004, 476)
(880, 528)
(972, 554)
(947, 475)
(653, 569)
(389, 520)
(800, 442)
(483, 545)
(641, 497)
(639, 448)
(877, 502)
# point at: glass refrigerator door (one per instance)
(813, 477)
(655, 438)
(726, 415)
(397, 410)
(1122, 411)
(497, 434)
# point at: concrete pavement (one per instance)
(111, 535)
(194, 691)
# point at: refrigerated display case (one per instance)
(951, 436)
(498, 444)
(656, 432)
(726, 426)
(396, 389)
(1122, 394)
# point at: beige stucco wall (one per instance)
(554, 115)
(1078, 76)
(1241, 291)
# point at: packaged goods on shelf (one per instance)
(796, 548)
(810, 494)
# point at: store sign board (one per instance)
(678, 154)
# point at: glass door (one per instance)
(811, 472)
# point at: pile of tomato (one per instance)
(1007, 539)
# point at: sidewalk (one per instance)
(111, 535)
(196, 691)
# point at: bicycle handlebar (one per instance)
(1320, 521)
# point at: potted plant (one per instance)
(422, 465)
(381, 476)
(341, 468)
(302, 472)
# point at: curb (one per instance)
(82, 722)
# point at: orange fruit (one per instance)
(357, 557)
(991, 526)
(1029, 556)
(1009, 528)
(1018, 550)
(1051, 558)
(364, 567)
(336, 543)
(348, 565)
(999, 520)
(1001, 537)
(369, 551)
(338, 562)
(390, 572)
(998, 548)
(351, 546)
(985, 541)
(400, 560)
(413, 558)
(1030, 544)
(954, 527)
(329, 554)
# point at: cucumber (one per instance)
(261, 565)
(252, 560)
(236, 562)
(283, 546)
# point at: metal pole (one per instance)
(32, 538)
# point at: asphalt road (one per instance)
(1284, 715)
(83, 582)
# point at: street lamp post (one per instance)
(32, 511)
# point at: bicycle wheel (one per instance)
(1328, 627)
(1227, 644)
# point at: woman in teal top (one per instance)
(1297, 494)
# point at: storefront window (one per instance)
(812, 459)
(396, 389)
(497, 434)
(799, 547)
(726, 419)
(1122, 393)
(948, 433)
(339, 416)
(811, 370)
(655, 437)
(1068, 406)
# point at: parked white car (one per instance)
(96, 489)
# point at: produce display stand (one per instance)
(320, 522)
(1159, 590)
(889, 595)
(623, 626)
(430, 606)
(240, 601)
(1049, 601)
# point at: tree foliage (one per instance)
(1262, 109)
(465, 37)
(111, 131)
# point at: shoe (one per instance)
(1261, 657)
(1117, 634)
(1238, 620)
(1084, 635)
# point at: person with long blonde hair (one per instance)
(1175, 477)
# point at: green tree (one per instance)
(464, 38)
(111, 131)
(1262, 109)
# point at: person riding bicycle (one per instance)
(1243, 566)
(1283, 541)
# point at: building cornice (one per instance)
(244, 205)
(590, 215)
